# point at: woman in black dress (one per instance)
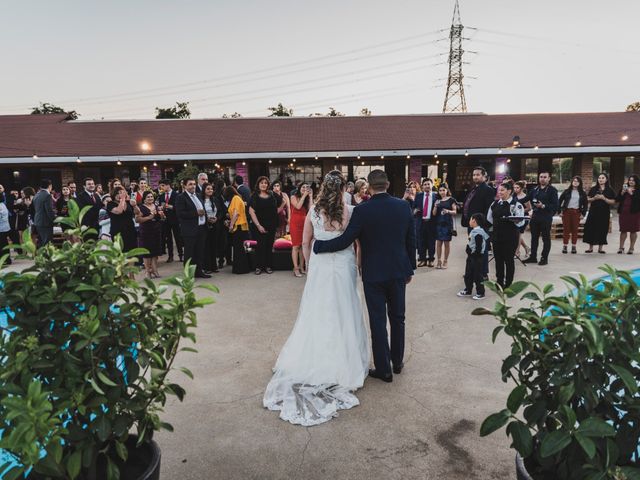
(62, 205)
(596, 227)
(121, 214)
(263, 209)
(213, 212)
(150, 218)
(23, 213)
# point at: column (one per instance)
(395, 169)
(583, 166)
(617, 172)
(328, 164)
(415, 169)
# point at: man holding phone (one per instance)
(544, 200)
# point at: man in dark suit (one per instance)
(243, 190)
(191, 215)
(171, 227)
(44, 214)
(424, 203)
(202, 179)
(89, 197)
(384, 225)
(479, 200)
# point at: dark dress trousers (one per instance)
(44, 216)
(171, 226)
(384, 226)
(193, 234)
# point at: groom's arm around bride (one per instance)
(384, 225)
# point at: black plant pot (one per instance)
(143, 463)
(521, 469)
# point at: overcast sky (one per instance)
(121, 58)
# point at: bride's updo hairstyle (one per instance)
(330, 199)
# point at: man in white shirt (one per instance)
(191, 215)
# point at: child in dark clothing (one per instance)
(477, 246)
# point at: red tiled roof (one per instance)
(51, 135)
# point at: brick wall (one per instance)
(67, 175)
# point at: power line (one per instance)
(293, 84)
(241, 74)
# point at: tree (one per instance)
(634, 107)
(231, 115)
(280, 111)
(332, 113)
(181, 110)
(49, 108)
(365, 112)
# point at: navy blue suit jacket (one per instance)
(384, 225)
(419, 203)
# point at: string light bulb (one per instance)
(536, 147)
(381, 157)
(184, 165)
(35, 157)
(294, 160)
(270, 161)
(466, 153)
(78, 160)
(508, 160)
(358, 157)
(578, 143)
(155, 164)
(436, 155)
(624, 138)
(499, 151)
(244, 163)
(145, 168)
(316, 157)
(119, 162)
(408, 157)
(437, 162)
(362, 163)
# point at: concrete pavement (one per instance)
(422, 426)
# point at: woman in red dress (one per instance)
(629, 212)
(300, 204)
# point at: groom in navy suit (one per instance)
(384, 225)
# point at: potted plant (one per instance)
(574, 412)
(87, 360)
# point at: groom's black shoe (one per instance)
(397, 369)
(385, 378)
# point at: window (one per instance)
(362, 171)
(628, 166)
(531, 170)
(298, 173)
(600, 165)
(561, 172)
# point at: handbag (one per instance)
(454, 232)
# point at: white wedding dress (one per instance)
(326, 357)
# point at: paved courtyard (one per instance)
(424, 425)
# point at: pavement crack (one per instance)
(304, 452)
(402, 392)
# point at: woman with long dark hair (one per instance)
(121, 212)
(239, 229)
(263, 208)
(596, 227)
(223, 236)
(326, 357)
(149, 218)
(213, 213)
(520, 193)
(282, 200)
(444, 209)
(300, 203)
(629, 212)
(573, 205)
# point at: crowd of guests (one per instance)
(215, 222)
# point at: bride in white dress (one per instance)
(326, 357)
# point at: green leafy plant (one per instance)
(87, 356)
(574, 412)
